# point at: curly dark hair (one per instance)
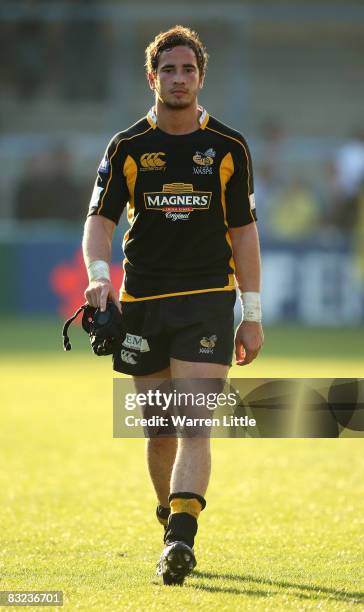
(175, 37)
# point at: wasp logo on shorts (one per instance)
(153, 161)
(177, 200)
(208, 345)
(204, 161)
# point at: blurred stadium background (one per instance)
(287, 75)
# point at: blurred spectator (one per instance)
(346, 176)
(266, 185)
(294, 212)
(48, 189)
(86, 53)
(31, 60)
(269, 174)
(272, 132)
(330, 189)
(67, 57)
(272, 140)
(29, 46)
(7, 49)
(359, 234)
(350, 165)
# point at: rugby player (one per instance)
(187, 182)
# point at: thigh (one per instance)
(152, 381)
(159, 419)
(197, 386)
(191, 369)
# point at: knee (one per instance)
(195, 442)
(161, 444)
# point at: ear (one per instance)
(202, 79)
(151, 80)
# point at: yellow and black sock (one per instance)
(162, 514)
(182, 522)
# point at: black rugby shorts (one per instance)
(197, 328)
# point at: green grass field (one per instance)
(283, 528)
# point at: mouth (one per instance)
(179, 91)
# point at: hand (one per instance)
(99, 291)
(249, 340)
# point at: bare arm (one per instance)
(96, 245)
(245, 244)
(246, 252)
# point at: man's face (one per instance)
(177, 80)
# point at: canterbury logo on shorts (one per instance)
(128, 357)
(153, 161)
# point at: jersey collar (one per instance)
(203, 119)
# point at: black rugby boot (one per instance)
(176, 562)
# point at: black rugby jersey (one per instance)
(182, 193)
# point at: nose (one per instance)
(179, 77)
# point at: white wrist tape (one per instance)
(252, 310)
(98, 269)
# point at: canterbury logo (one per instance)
(128, 357)
(204, 159)
(152, 160)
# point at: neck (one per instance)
(177, 121)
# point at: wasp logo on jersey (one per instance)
(153, 161)
(204, 161)
(179, 198)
